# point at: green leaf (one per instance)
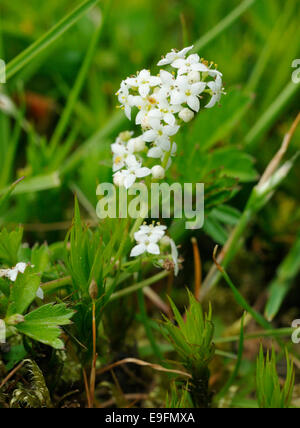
(43, 324)
(23, 292)
(9, 246)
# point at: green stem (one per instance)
(139, 286)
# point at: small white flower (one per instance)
(173, 56)
(158, 172)
(121, 155)
(217, 90)
(127, 100)
(186, 115)
(157, 152)
(147, 239)
(12, 275)
(188, 93)
(160, 134)
(144, 82)
(192, 63)
(127, 177)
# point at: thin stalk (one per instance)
(198, 268)
(95, 356)
(139, 286)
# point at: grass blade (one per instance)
(47, 39)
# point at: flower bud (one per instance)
(125, 136)
(194, 77)
(136, 145)
(158, 172)
(93, 290)
(186, 115)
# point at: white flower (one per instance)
(186, 115)
(217, 90)
(173, 55)
(147, 239)
(127, 177)
(127, 100)
(157, 152)
(121, 155)
(158, 172)
(144, 82)
(188, 93)
(13, 273)
(192, 63)
(160, 134)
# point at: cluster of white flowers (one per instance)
(12, 275)
(150, 239)
(164, 102)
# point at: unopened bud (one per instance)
(186, 115)
(93, 290)
(158, 172)
(194, 77)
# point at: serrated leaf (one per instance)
(43, 324)
(23, 292)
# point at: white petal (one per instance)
(165, 144)
(154, 81)
(21, 267)
(171, 130)
(166, 77)
(194, 103)
(169, 118)
(40, 293)
(138, 250)
(198, 88)
(128, 112)
(155, 153)
(149, 136)
(12, 274)
(177, 97)
(144, 90)
(143, 172)
(178, 63)
(153, 249)
(129, 180)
